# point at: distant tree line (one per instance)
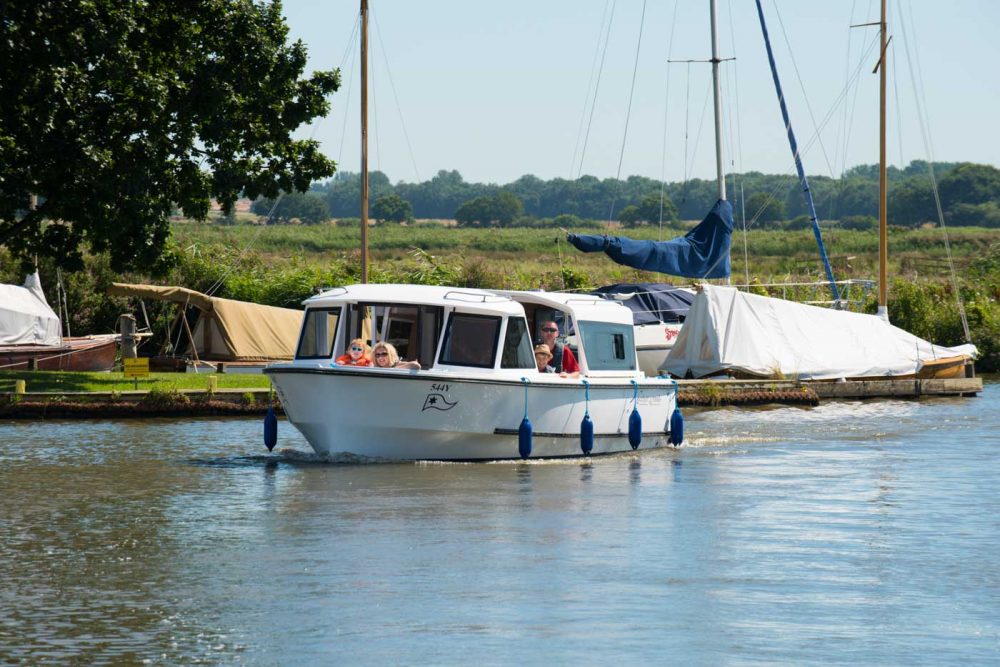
(970, 195)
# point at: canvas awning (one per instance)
(229, 330)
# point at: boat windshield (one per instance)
(319, 329)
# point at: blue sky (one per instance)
(497, 90)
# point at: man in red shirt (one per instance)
(562, 357)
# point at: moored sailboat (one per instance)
(31, 335)
(716, 341)
(748, 335)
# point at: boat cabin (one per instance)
(467, 330)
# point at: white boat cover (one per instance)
(26, 317)
(727, 329)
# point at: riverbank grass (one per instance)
(54, 381)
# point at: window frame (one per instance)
(587, 329)
(305, 326)
(446, 339)
(525, 334)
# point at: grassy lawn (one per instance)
(52, 381)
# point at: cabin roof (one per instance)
(430, 295)
(581, 306)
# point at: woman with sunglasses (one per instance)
(385, 356)
(357, 355)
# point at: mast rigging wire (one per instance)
(736, 158)
(628, 112)
(395, 96)
(803, 150)
(666, 106)
(917, 82)
(597, 86)
(590, 83)
(805, 96)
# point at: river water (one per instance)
(854, 532)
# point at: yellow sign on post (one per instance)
(136, 368)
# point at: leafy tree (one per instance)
(307, 208)
(506, 207)
(765, 208)
(978, 215)
(500, 209)
(629, 216)
(970, 184)
(475, 212)
(857, 197)
(112, 113)
(392, 208)
(650, 210)
(911, 203)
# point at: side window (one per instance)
(517, 351)
(362, 322)
(428, 333)
(609, 347)
(471, 340)
(402, 330)
(319, 330)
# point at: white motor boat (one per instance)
(478, 381)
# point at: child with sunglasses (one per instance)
(357, 355)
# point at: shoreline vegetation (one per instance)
(283, 265)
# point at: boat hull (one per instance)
(410, 416)
(653, 343)
(89, 353)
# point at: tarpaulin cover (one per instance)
(26, 317)
(651, 302)
(731, 330)
(229, 330)
(701, 253)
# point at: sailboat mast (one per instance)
(717, 89)
(883, 227)
(364, 141)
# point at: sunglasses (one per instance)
(381, 354)
(357, 349)
(550, 330)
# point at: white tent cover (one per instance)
(26, 317)
(727, 329)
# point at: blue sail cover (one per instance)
(701, 253)
(651, 302)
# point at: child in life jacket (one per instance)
(357, 355)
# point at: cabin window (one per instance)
(362, 322)
(471, 340)
(517, 351)
(319, 330)
(414, 331)
(608, 347)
